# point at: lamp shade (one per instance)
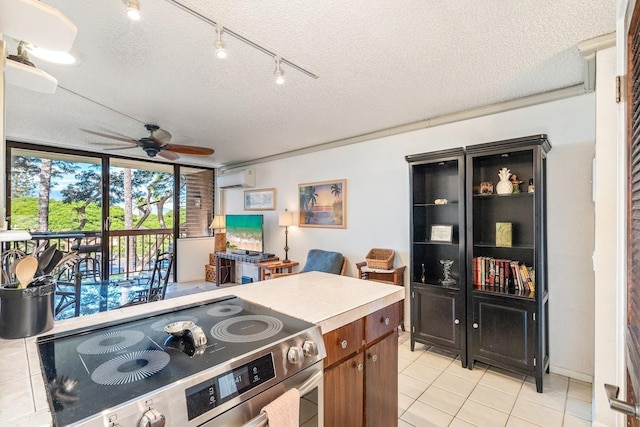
(285, 219)
(218, 222)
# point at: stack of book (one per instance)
(502, 274)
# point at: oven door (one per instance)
(309, 383)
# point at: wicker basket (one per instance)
(380, 258)
(210, 273)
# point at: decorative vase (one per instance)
(504, 186)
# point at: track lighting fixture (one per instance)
(221, 52)
(181, 4)
(279, 73)
(133, 10)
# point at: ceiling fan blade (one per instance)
(169, 155)
(162, 136)
(189, 149)
(106, 135)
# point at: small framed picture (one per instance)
(441, 233)
(260, 200)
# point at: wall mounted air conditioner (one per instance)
(242, 179)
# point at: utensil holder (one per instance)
(26, 312)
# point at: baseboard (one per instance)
(571, 374)
(554, 369)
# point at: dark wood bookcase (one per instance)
(487, 315)
(438, 314)
(507, 323)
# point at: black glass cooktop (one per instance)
(90, 370)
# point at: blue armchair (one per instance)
(325, 261)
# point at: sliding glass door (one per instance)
(118, 212)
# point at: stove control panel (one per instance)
(209, 394)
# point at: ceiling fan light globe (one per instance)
(54, 56)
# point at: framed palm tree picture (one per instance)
(323, 204)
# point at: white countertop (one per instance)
(327, 300)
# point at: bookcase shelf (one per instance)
(524, 295)
(427, 242)
(444, 206)
(512, 195)
(509, 248)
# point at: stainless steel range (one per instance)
(214, 363)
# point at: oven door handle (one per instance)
(311, 383)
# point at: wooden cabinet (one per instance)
(495, 307)
(361, 371)
(438, 301)
(343, 342)
(511, 321)
(436, 315)
(381, 323)
(344, 393)
(381, 370)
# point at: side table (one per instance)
(392, 277)
(226, 264)
(267, 268)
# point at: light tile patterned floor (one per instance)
(434, 390)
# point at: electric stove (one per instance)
(134, 371)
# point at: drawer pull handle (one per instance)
(386, 321)
(360, 367)
(343, 344)
(457, 322)
(475, 326)
(373, 357)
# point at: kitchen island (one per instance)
(330, 301)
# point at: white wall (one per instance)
(378, 206)
(192, 255)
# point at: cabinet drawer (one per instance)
(343, 342)
(382, 321)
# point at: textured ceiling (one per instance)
(380, 64)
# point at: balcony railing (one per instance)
(130, 252)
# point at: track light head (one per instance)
(221, 52)
(133, 10)
(279, 73)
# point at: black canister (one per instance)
(26, 312)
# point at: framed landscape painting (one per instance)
(323, 204)
(260, 200)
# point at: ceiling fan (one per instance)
(157, 143)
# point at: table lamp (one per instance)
(285, 220)
(219, 223)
